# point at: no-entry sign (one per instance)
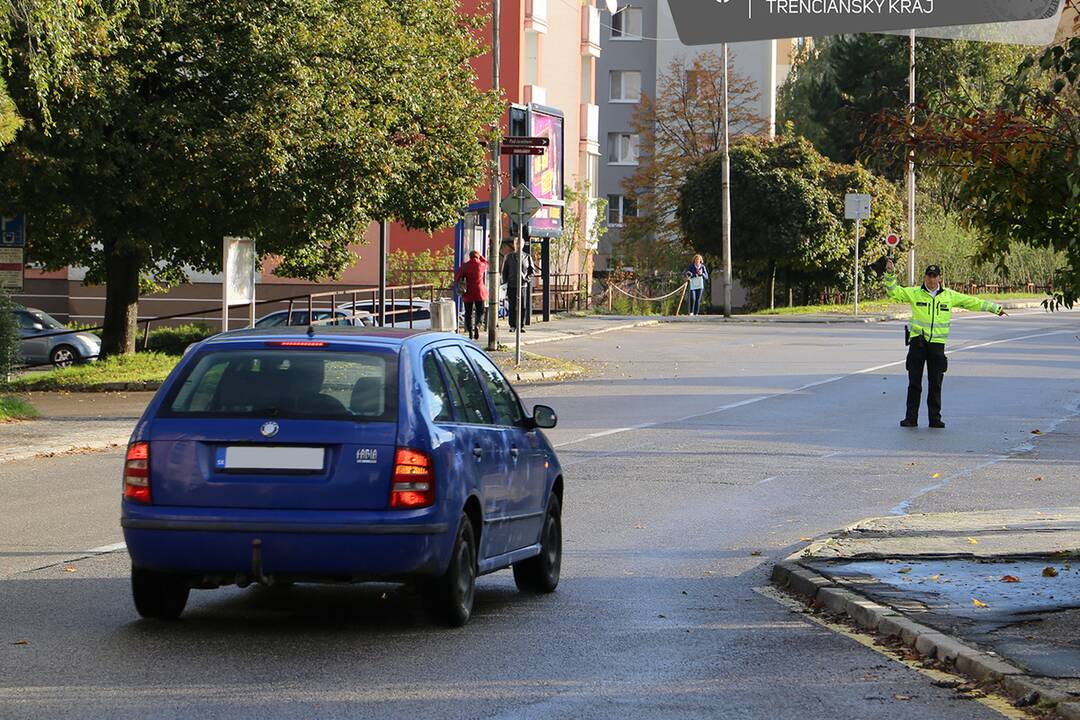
(892, 240)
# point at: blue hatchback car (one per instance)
(339, 454)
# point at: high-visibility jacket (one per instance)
(930, 314)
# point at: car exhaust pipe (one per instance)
(257, 564)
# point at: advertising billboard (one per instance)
(546, 172)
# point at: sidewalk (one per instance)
(996, 594)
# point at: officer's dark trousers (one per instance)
(932, 356)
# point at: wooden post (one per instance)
(146, 336)
(682, 296)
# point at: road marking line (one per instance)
(767, 480)
(801, 388)
(107, 548)
(996, 703)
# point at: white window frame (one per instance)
(634, 144)
(624, 35)
(620, 206)
(622, 87)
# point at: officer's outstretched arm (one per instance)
(970, 302)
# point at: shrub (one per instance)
(175, 340)
(9, 336)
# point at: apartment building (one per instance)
(639, 44)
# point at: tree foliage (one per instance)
(584, 224)
(295, 122)
(841, 83)
(787, 214)
(678, 128)
(1018, 161)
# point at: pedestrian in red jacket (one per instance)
(471, 275)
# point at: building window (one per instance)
(626, 24)
(619, 208)
(625, 86)
(622, 148)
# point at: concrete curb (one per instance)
(979, 665)
(536, 376)
(588, 333)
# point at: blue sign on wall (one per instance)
(13, 231)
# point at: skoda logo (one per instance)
(269, 429)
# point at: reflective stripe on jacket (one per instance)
(930, 314)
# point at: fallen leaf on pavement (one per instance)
(935, 476)
(1050, 572)
(1010, 579)
(1036, 432)
(904, 570)
(640, 526)
(972, 541)
(1037, 478)
(21, 642)
(756, 553)
(978, 603)
(806, 539)
(69, 568)
(901, 697)
(935, 578)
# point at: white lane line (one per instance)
(107, 548)
(767, 480)
(801, 388)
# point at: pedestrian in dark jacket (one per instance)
(474, 293)
(696, 275)
(517, 293)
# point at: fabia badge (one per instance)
(367, 455)
(269, 429)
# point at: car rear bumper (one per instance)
(331, 545)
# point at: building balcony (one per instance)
(536, 15)
(535, 94)
(589, 122)
(590, 31)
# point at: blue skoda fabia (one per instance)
(339, 455)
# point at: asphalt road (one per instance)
(695, 455)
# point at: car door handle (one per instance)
(478, 451)
(514, 453)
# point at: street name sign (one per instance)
(503, 150)
(856, 206)
(519, 142)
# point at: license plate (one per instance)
(271, 458)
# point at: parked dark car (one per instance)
(339, 454)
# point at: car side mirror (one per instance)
(544, 417)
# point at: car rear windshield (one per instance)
(298, 383)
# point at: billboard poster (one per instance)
(546, 173)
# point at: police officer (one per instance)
(931, 310)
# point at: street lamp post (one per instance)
(911, 163)
(726, 191)
(494, 213)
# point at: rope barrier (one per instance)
(674, 292)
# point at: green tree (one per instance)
(1018, 161)
(9, 337)
(295, 122)
(840, 84)
(786, 215)
(584, 223)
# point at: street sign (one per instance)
(503, 150)
(523, 142)
(520, 204)
(239, 265)
(11, 268)
(856, 206)
(892, 240)
(13, 231)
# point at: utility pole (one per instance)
(494, 212)
(911, 164)
(726, 190)
(384, 241)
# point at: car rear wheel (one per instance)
(63, 356)
(540, 574)
(450, 597)
(157, 595)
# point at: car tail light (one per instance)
(413, 485)
(137, 472)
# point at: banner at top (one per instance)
(707, 22)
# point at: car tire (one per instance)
(63, 356)
(540, 574)
(450, 597)
(158, 595)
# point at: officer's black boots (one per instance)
(909, 423)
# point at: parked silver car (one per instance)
(41, 342)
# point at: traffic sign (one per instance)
(520, 142)
(503, 150)
(856, 206)
(13, 231)
(11, 268)
(520, 204)
(892, 240)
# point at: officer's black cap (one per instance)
(933, 270)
